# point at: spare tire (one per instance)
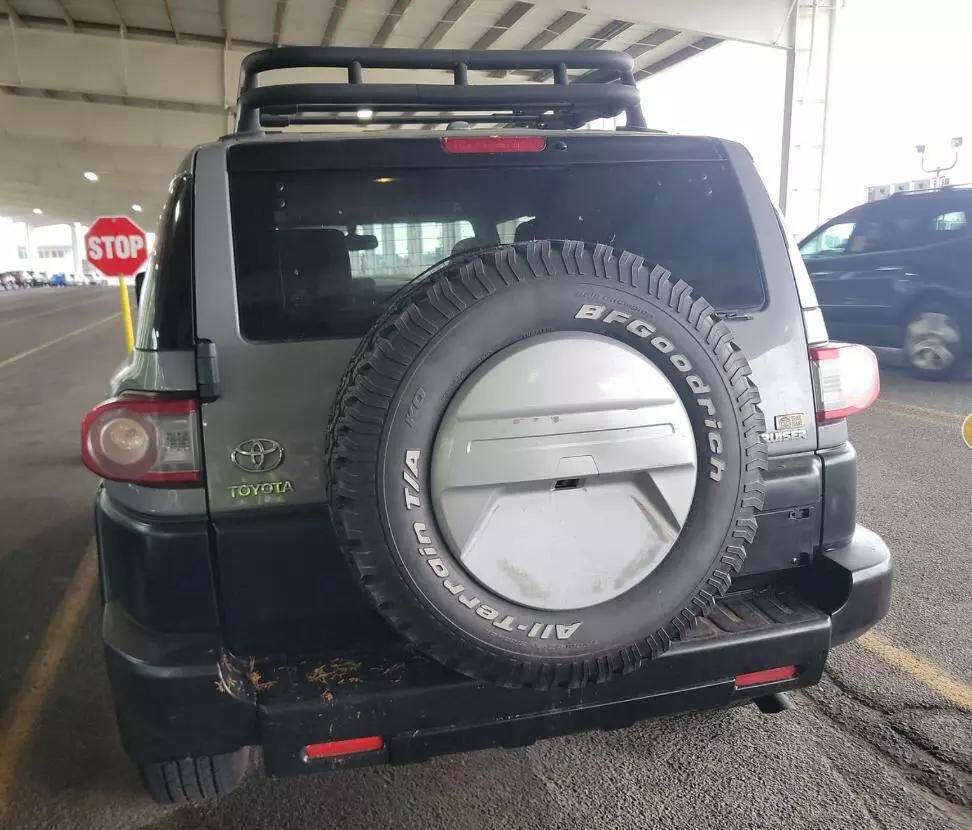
(545, 463)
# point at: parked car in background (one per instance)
(9, 282)
(58, 280)
(898, 272)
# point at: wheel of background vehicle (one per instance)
(933, 341)
(545, 463)
(193, 780)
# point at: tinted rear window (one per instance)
(318, 253)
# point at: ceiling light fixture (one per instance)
(38, 211)
(365, 114)
(137, 207)
(90, 175)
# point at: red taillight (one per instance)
(756, 678)
(845, 379)
(143, 440)
(491, 144)
(351, 746)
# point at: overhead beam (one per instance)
(563, 23)
(753, 21)
(168, 13)
(118, 100)
(607, 32)
(143, 33)
(225, 10)
(183, 72)
(122, 26)
(12, 14)
(637, 50)
(685, 53)
(278, 21)
(333, 21)
(441, 29)
(500, 27)
(390, 22)
(68, 20)
(650, 41)
(224, 23)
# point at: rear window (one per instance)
(318, 253)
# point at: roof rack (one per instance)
(560, 104)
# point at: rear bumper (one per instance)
(179, 696)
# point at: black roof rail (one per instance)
(552, 105)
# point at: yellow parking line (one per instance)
(56, 340)
(928, 674)
(919, 411)
(20, 719)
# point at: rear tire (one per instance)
(933, 342)
(196, 780)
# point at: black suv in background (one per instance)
(898, 272)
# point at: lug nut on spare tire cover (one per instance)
(499, 376)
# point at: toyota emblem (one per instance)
(258, 455)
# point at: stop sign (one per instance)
(115, 245)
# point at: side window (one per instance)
(830, 241)
(950, 223)
(914, 225)
(165, 308)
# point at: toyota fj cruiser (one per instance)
(441, 440)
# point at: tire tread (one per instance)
(196, 780)
(361, 404)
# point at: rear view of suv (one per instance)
(896, 273)
(436, 441)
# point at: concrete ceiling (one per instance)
(124, 88)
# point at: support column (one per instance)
(803, 152)
(77, 248)
(31, 255)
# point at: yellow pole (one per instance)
(126, 313)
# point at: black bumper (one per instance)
(179, 696)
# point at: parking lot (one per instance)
(885, 741)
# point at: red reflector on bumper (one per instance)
(755, 678)
(352, 746)
(491, 144)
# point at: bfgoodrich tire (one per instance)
(388, 415)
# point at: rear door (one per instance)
(299, 245)
(859, 262)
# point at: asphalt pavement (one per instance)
(885, 741)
